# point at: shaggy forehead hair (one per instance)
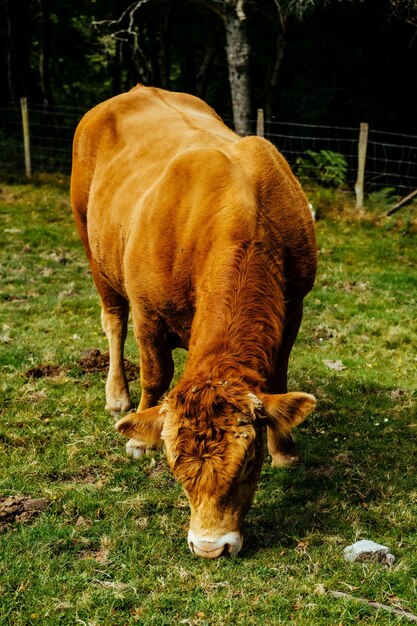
(208, 424)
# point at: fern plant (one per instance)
(326, 167)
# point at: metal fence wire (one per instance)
(391, 158)
(51, 132)
(294, 141)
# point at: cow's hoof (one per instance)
(135, 448)
(115, 407)
(116, 415)
(285, 460)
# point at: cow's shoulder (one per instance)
(263, 159)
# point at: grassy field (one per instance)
(110, 547)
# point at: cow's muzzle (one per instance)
(209, 547)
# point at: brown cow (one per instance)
(209, 238)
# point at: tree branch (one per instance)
(376, 605)
(223, 7)
(406, 9)
(281, 16)
(402, 203)
(239, 9)
(129, 33)
(217, 6)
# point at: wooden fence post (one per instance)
(363, 142)
(26, 136)
(260, 123)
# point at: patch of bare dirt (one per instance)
(19, 509)
(323, 471)
(91, 360)
(44, 371)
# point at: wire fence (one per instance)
(391, 158)
(295, 141)
(51, 132)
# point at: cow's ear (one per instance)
(286, 410)
(145, 426)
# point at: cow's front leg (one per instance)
(282, 447)
(114, 321)
(156, 371)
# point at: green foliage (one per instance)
(382, 198)
(327, 201)
(80, 52)
(326, 168)
(111, 549)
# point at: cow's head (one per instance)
(213, 436)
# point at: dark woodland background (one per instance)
(336, 62)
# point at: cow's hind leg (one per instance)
(114, 318)
(114, 307)
(282, 448)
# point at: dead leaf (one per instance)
(397, 393)
(67, 293)
(342, 458)
(58, 258)
(6, 338)
(302, 547)
(35, 396)
(323, 471)
(47, 271)
(358, 286)
(334, 365)
(12, 230)
(137, 614)
(351, 587)
(108, 584)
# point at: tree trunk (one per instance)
(279, 56)
(166, 35)
(154, 55)
(237, 50)
(18, 66)
(9, 54)
(187, 64)
(117, 68)
(45, 52)
(201, 78)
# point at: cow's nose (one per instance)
(211, 548)
(207, 549)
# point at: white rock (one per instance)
(366, 550)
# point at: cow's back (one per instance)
(122, 149)
(164, 183)
(129, 139)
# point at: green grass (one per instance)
(111, 549)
